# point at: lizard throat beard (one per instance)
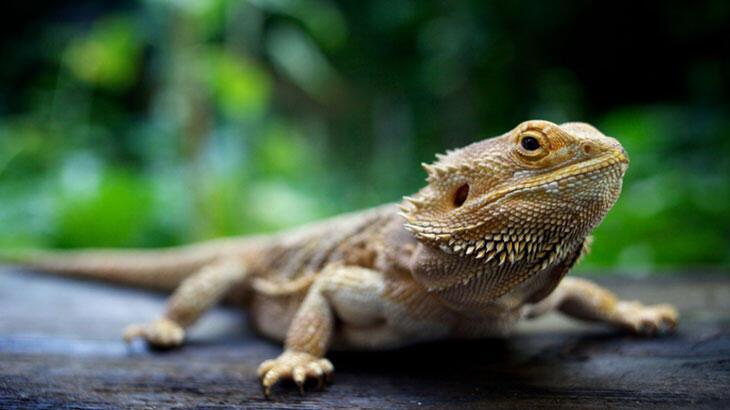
(469, 284)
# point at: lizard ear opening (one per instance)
(461, 195)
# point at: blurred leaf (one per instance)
(297, 57)
(277, 205)
(108, 56)
(242, 88)
(321, 18)
(283, 152)
(114, 212)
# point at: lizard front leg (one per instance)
(350, 294)
(195, 295)
(582, 299)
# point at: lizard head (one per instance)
(513, 205)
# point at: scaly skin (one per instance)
(487, 242)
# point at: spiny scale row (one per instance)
(416, 202)
(427, 230)
(502, 248)
(544, 259)
(438, 170)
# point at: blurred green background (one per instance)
(159, 122)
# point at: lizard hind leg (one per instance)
(195, 295)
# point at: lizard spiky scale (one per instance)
(431, 267)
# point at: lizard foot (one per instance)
(162, 333)
(647, 320)
(297, 366)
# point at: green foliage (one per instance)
(113, 208)
(241, 89)
(171, 121)
(106, 57)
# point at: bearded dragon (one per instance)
(488, 241)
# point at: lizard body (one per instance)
(487, 242)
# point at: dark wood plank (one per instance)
(60, 347)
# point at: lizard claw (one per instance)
(161, 334)
(297, 366)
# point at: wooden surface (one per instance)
(60, 347)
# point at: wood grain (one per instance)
(60, 347)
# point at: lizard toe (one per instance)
(265, 366)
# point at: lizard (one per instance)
(488, 241)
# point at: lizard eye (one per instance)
(532, 146)
(461, 194)
(530, 143)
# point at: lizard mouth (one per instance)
(593, 168)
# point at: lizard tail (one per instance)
(162, 269)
